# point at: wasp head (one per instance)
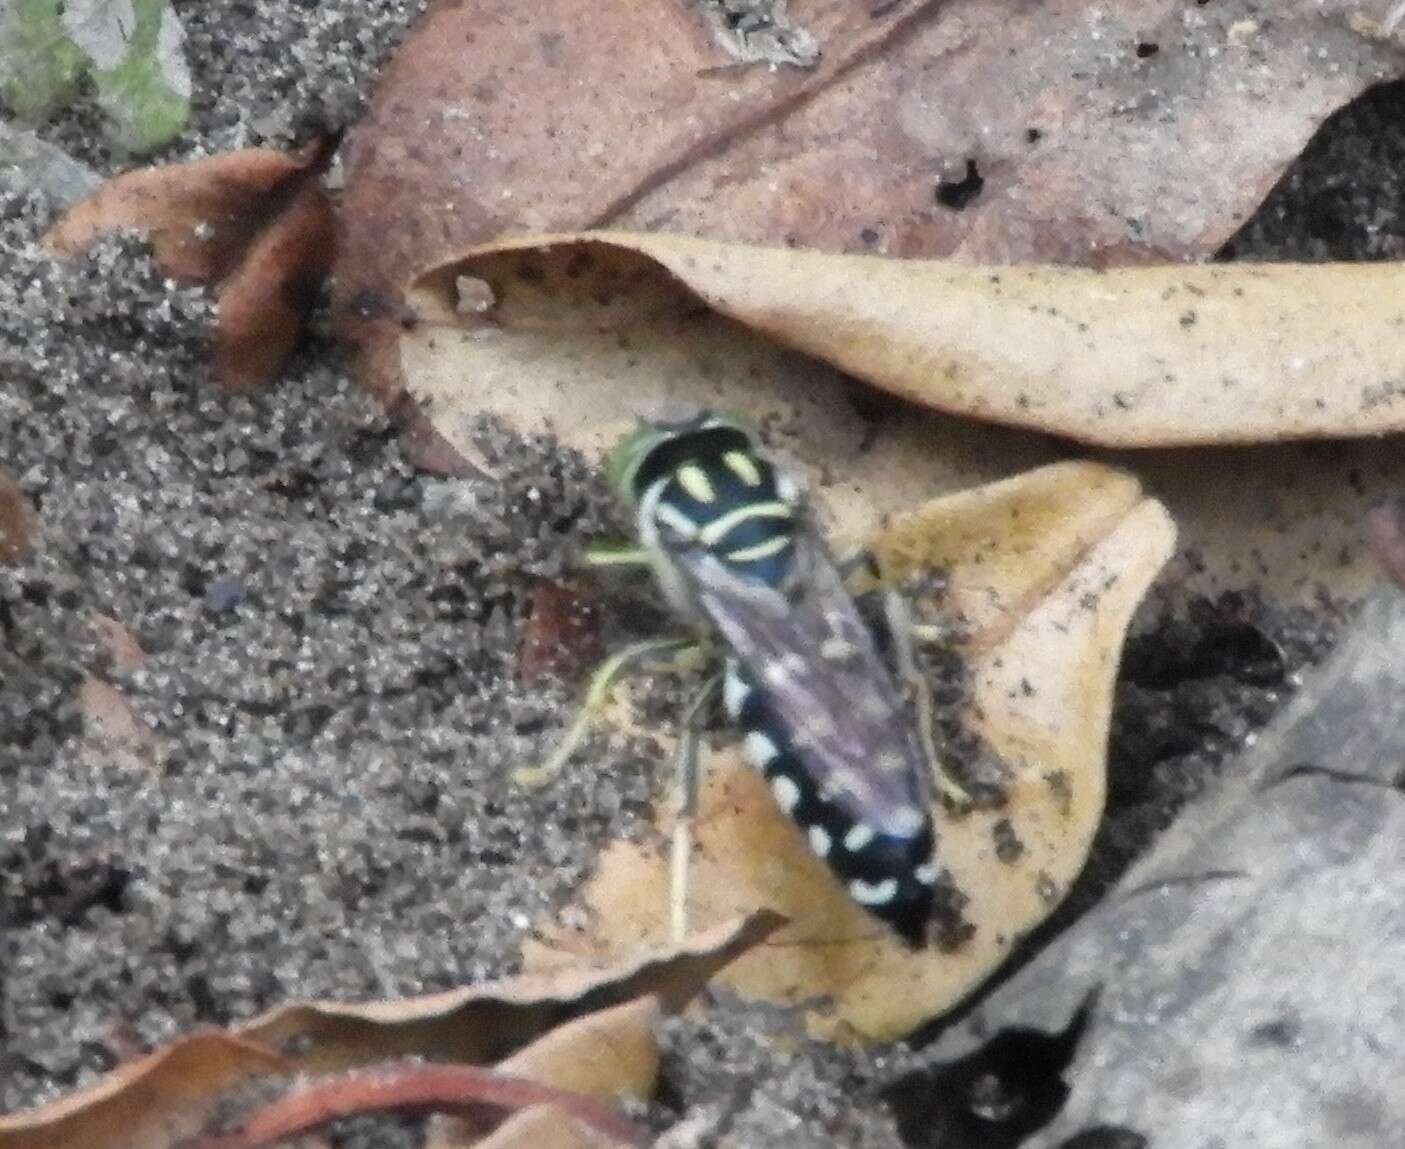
(654, 449)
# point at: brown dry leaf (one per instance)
(998, 132)
(254, 223)
(16, 521)
(151, 1103)
(483, 1024)
(605, 1055)
(1045, 570)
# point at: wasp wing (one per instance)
(822, 679)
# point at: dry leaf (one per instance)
(605, 1055)
(151, 1103)
(541, 1127)
(482, 1024)
(485, 1094)
(254, 223)
(1000, 132)
(615, 337)
(1045, 570)
(16, 521)
(1137, 357)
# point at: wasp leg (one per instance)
(616, 555)
(686, 799)
(632, 659)
(898, 616)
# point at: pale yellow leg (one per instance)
(686, 801)
(630, 660)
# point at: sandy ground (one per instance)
(331, 638)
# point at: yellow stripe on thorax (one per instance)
(761, 550)
(744, 467)
(717, 530)
(694, 480)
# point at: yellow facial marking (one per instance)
(694, 480)
(744, 467)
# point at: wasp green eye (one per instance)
(626, 461)
(628, 455)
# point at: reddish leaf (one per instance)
(253, 223)
(456, 1089)
(560, 635)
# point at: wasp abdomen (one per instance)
(891, 875)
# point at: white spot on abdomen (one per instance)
(859, 836)
(873, 893)
(926, 874)
(735, 692)
(820, 841)
(787, 793)
(760, 749)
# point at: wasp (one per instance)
(844, 739)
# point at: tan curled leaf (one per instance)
(1046, 569)
(483, 1024)
(605, 1055)
(582, 339)
(151, 1103)
(254, 224)
(999, 132)
(16, 521)
(1136, 357)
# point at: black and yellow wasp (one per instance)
(845, 742)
